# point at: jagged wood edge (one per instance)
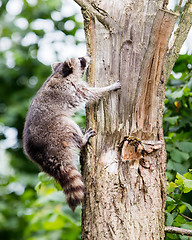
(102, 16)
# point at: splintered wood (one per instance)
(147, 113)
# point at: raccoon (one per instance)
(51, 138)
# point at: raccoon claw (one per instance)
(88, 134)
(116, 85)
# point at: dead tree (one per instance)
(124, 167)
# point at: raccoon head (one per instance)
(73, 66)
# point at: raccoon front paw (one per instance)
(88, 134)
(116, 85)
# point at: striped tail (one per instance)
(69, 178)
(72, 184)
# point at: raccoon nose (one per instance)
(88, 58)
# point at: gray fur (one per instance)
(51, 138)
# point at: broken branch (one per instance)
(102, 16)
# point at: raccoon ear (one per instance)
(55, 66)
(67, 68)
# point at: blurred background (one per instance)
(33, 35)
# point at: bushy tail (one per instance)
(73, 186)
(70, 180)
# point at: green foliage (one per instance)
(178, 118)
(51, 218)
(27, 215)
(16, 194)
(177, 210)
(178, 138)
(28, 209)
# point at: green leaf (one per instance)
(189, 206)
(184, 237)
(179, 220)
(171, 120)
(181, 167)
(179, 179)
(169, 147)
(171, 187)
(184, 146)
(177, 94)
(188, 175)
(187, 225)
(170, 165)
(179, 156)
(169, 219)
(182, 208)
(186, 89)
(169, 199)
(171, 236)
(55, 222)
(52, 197)
(45, 178)
(185, 183)
(44, 189)
(57, 186)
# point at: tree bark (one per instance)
(124, 167)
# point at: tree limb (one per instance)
(190, 219)
(177, 230)
(180, 36)
(102, 16)
(179, 6)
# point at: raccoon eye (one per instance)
(67, 68)
(83, 62)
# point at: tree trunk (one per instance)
(124, 167)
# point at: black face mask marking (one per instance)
(66, 69)
(83, 62)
